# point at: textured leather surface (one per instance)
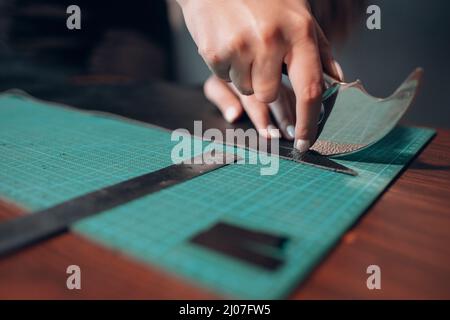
(355, 120)
(331, 148)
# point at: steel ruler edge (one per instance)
(32, 228)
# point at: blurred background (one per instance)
(415, 33)
(148, 40)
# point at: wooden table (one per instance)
(406, 232)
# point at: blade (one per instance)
(315, 159)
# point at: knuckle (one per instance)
(269, 34)
(238, 44)
(211, 56)
(311, 93)
(304, 25)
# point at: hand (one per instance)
(247, 41)
(232, 104)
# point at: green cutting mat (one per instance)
(50, 154)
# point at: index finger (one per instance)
(306, 75)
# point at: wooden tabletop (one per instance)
(406, 232)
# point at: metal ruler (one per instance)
(32, 228)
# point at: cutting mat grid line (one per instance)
(57, 154)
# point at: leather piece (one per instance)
(255, 247)
(330, 148)
(355, 120)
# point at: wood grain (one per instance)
(406, 233)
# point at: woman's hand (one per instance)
(247, 41)
(232, 104)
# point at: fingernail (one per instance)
(231, 114)
(264, 133)
(302, 145)
(274, 132)
(338, 70)
(291, 131)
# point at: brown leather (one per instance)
(328, 148)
